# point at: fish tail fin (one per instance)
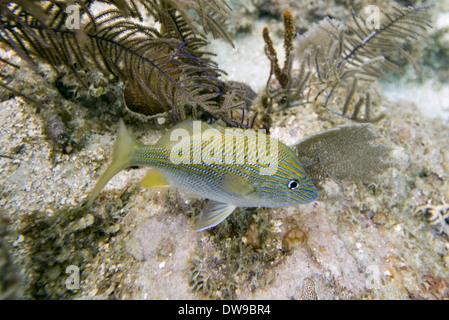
(123, 154)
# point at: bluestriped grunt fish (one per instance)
(230, 167)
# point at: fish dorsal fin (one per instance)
(191, 129)
(237, 185)
(166, 139)
(213, 213)
(154, 179)
(188, 129)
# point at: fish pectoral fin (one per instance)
(213, 213)
(154, 179)
(237, 185)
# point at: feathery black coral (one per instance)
(336, 58)
(164, 69)
(367, 49)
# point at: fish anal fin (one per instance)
(213, 213)
(154, 179)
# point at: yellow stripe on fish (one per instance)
(230, 167)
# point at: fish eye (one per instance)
(293, 184)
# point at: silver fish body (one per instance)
(230, 167)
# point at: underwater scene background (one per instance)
(357, 89)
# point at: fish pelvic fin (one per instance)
(212, 214)
(124, 151)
